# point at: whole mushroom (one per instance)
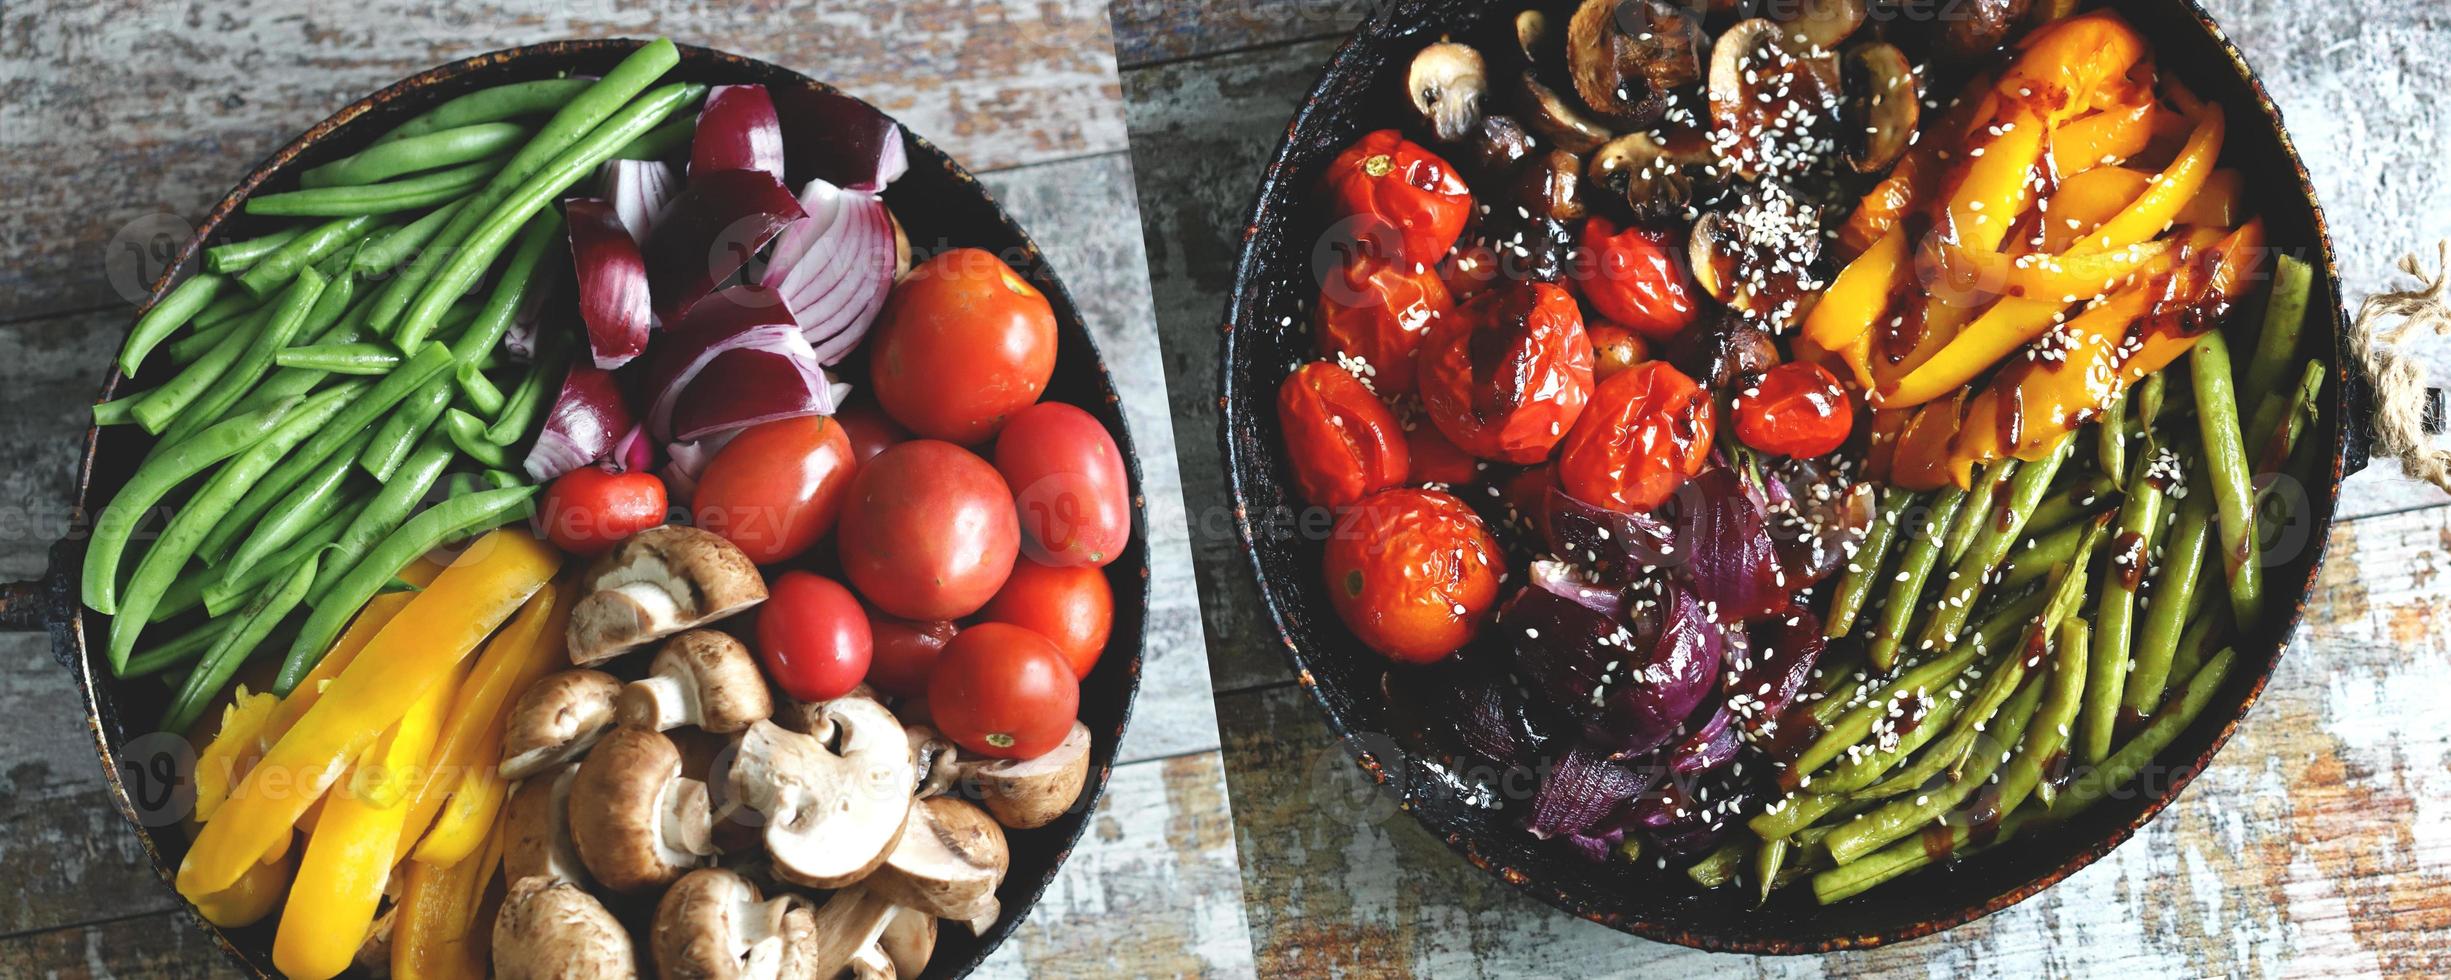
(656, 583)
(951, 856)
(556, 719)
(637, 822)
(713, 925)
(1446, 83)
(834, 807)
(703, 678)
(555, 930)
(536, 828)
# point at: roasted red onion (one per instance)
(613, 296)
(1630, 689)
(1584, 790)
(1729, 559)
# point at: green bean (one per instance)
(177, 651)
(222, 311)
(660, 142)
(201, 341)
(2031, 561)
(1864, 567)
(534, 396)
(385, 253)
(479, 392)
(233, 647)
(233, 257)
(1900, 817)
(2276, 347)
(2204, 628)
(1914, 570)
(2046, 741)
(278, 329)
(1766, 862)
(523, 276)
(457, 517)
(2079, 498)
(323, 321)
(2174, 590)
(2149, 396)
(2232, 487)
(503, 479)
(303, 252)
(117, 411)
(411, 154)
(176, 309)
(1861, 715)
(1791, 815)
(401, 431)
(468, 433)
(2283, 422)
(1977, 510)
(1866, 763)
(153, 480)
(387, 392)
(406, 194)
(1991, 544)
(222, 593)
(314, 500)
(392, 503)
(2111, 438)
(207, 507)
(163, 404)
(1718, 867)
(360, 358)
(494, 104)
(2142, 524)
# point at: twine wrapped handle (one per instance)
(2399, 387)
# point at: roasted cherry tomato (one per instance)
(1413, 573)
(588, 510)
(870, 430)
(905, 653)
(1375, 313)
(1343, 441)
(1504, 376)
(1796, 409)
(1003, 692)
(777, 487)
(929, 531)
(1069, 487)
(1614, 349)
(1648, 430)
(1435, 460)
(1409, 205)
(1468, 270)
(1636, 276)
(813, 637)
(1072, 606)
(963, 343)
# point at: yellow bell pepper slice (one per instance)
(2158, 207)
(462, 825)
(528, 647)
(233, 749)
(1997, 186)
(1859, 294)
(2084, 201)
(2059, 66)
(2040, 286)
(2101, 139)
(2221, 203)
(435, 931)
(253, 897)
(349, 857)
(1920, 460)
(370, 621)
(389, 774)
(438, 629)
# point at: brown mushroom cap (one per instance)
(1820, 23)
(704, 678)
(952, 854)
(909, 940)
(1029, 793)
(1446, 82)
(713, 925)
(847, 928)
(1626, 56)
(637, 822)
(833, 807)
(537, 827)
(1884, 103)
(556, 719)
(935, 759)
(656, 583)
(554, 930)
(1771, 105)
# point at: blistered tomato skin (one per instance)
(1413, 573)
(1069, 486)
(1636, 276)
(963, 343)
(1795, 409)
(1343, 441)
(1505, 375)
(1648, 431)
(1614, 349)
(1376, 313)
(1435, 460)
(1409, 206)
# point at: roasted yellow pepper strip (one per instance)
(2061, 65)
(2016, 320)
(527, 648)
(1921, 459)
(350, 855)
(436, 925)
(438, 629)
(2159, 205)
(1859, 294)
(2221, 202)
(1998, 185)
(2102, 139)
(233, 749)
(2084, 201)
(254, 895)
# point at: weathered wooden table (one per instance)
(121, 120)
(2319, 843)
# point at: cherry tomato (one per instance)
(964, 342)
(1343, 441)
(869, 429)
(588, 510)
(777, 487)
(1636, 276)
(1504, 376)
(1411, 203)
(1648, 430)
(1069, 486)
(813, 637)
(1413, 573)
(1003, 692)
(1073, 607)
(929, 531)
(1468, 270)
(1796, 409)
(1435, 460)
(1614, 349)
(1376, 312)
(906, 653)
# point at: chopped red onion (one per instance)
(835, 267)
(839, 139)
(748, 385)
(712, 229)
(750, 317)
(640, 190)
(587, 418)
(613, 297)
(737, 130)
(686, 461)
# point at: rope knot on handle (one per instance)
(2399, 385)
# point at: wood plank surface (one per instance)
(1168, 30)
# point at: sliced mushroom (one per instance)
(833, 808)
(1534, 36)
(1497, 145)
(1822, 24)
(909, 940)
(1975, 27)
(556, 719)
(1884, 102)
(1627, 56)
(714, 925)
(847, 929)
(657, 583)
(1552, 116)
(702, 678)
(935, 759)
(1552, 185)
(536, 821)
(555, 930)
(637, 822)
(1656, 182)
(952, 855)
(1758, 256)
(1030, 793)
(1768, 101)
(811, 718)
(1446, 83)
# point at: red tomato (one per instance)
(1411, 203)
(1376, 312)
(1069, 485)
(1796, 409)
(1636, 276)
(1343, 441)
(869, 429)
(905, 653)
(1003, 692)
(963, 344)
(1614, 349)
(1505, 374)
(929, 531)
(1468, 270)
(813, 637)
(1435, 460)
(1649, 429)
(588, 510)
(1413, 573)
(1073, 607)
(778, 487)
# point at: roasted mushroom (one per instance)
(556, 719)
(1028, 793)
(536, 828)
(1552, 116)
(704, 678)
(1974, 28)
(1658, 183)
(1771, 106)
(1626, 57)
(1822, 24)
(713, 925)
(657, 583)
(554, 930)
(833, 807)
(1551, 185)
(638, 824)
(1723, 351)
(1446, 83)
(1497, 145)
(1758, 256)
(1884, 102)
(951, 856)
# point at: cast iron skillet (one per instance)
(1362, 90)
(940, 204)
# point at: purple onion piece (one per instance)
(1595, 848)
(748, 385)
(835, 267)
(1768, 680)
(738, 318)
(613, 291)
(712, 228)
(737, 130)
(684, 462)
(632, 453)
(1820, 526)
(639, 190)
(1709, 747)
(1492, 719)
(1564, 581)
(1631, 689)
(587, 418)
(1729, 559)
(1617, 544)
(1582, 791)
(839, 139)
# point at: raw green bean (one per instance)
(479, 391)
(1923, 545)
(201, 341)
(2232, 487)
(1900, 817)
(360, 358)
(2276, 347)
(315, 500)
(484, 105)
(457, 517)
(117, 411)
(523, 276)
(1996, 535)
(177, 651)
(153, 480)
(229, 307)
(233, 257)
(2079, 498)
(660, 142)
(176, 309)
(463, 484)
(411, 154)
(1718, 867)
(303, 252)
(1977, 510)
(391, 506)
(534, 396)
(2111, 438)
(165, 402)
(2174, 590)
(2142, 524)
(1864, 567)
(386, 252)
(2046, 741)
(387, 392)
(401, 431)
(233, 647)
(468, 433)
(278, 329)
(503, 479)
(406, 194)
(222, 593)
